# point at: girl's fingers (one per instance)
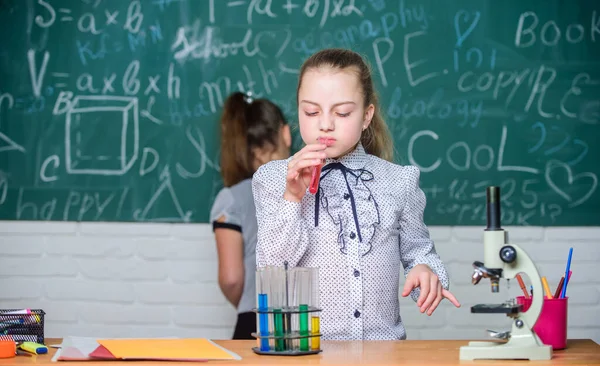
(309, 149)
(433, 293)
(298, 169)
(294, 171)
(312, 151)
(312, 155)
(437, 300)
(307, 156)
(424, 285)
(448, 295)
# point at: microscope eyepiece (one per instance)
(493, 208)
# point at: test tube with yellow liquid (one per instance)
(315, 320)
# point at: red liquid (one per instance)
(314, 180)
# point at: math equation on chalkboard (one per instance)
(109, 109)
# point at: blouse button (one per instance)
(356, 314)
(346, 196)
(352, 235)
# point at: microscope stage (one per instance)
(496, 308)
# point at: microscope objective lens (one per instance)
(495, 286)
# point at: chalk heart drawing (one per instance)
(464, 17)
(553, 165)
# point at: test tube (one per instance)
(315, 321)
(287, 324)
(277, 299)
(258, 286)
(304, 294)
(314, 179)
(271, 273)
(262, 287)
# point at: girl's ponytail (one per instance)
(234, 139)
(247, 124)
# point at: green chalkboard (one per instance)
(109, 109)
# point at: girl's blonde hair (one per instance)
(376, 138)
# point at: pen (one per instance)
(17, 312)
(564, 289)
(522, 284)
(8, 323)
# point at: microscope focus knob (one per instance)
(508, 254)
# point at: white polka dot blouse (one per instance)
(364, 222)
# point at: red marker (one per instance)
(314, 180)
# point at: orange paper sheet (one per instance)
(171, 349)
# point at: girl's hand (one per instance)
(300, 171)
(432, 292)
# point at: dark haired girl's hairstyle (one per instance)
(246, 124)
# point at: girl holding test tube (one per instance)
(365, 218)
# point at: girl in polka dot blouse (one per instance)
(364, 220)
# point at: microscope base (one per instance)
(511, 350)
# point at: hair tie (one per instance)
(248, 97)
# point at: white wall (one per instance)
(134, 280)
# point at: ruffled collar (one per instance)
(343, 180)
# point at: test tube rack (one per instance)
(287, 311)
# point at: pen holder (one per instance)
(22, 325)
(551, 325)
(288, 316)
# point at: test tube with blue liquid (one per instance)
(262, 288)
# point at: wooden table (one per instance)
(578, 352)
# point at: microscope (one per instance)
(504, 260)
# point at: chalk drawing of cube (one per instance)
(102, 135)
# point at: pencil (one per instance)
(522, 284)
(559, 287)
(546, 288)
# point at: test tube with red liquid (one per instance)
(314, 180)
(316, 171)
